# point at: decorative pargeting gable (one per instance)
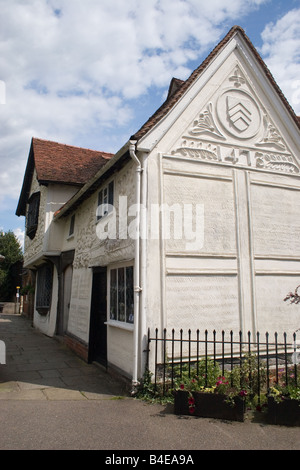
(234, 127)
(227, 141)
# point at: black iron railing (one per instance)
(168, 355)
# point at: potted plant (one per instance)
(284, 403)
(204, 392)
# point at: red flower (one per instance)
(192, 409)
(191, 401)
(181, 386)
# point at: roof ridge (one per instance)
(172, 99)
(70, 146)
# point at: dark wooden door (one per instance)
(98, 328)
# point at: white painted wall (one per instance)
(92, 252)
(247, 180)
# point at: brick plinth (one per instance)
(77, 346)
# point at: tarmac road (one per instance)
(51, 400)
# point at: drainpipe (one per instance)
(137, 287)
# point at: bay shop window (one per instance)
(121, 294)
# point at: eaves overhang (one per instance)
(112, 166)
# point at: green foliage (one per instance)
(280, 390)
(151, 392)
(203, 375)
(246, 380)
(11, 249)
(251, 375)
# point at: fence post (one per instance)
(155, 366)
(197, 352)
(295, 361)
(258, 370)
(241, 353)
(231, 354)
(164, 359)
(276, 355)
(206, 333)
(250, 356)
(189, 333)
(285, 360)
(181, 332)
(268, 366)
(223, 352)
(172, 373)
(214, 336)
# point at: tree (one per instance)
(11, 249)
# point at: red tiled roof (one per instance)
(176, 94)
(61, 163)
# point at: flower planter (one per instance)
(209, 405)
(285, 413)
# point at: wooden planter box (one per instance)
(209, 405)
(285, 413)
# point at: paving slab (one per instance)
(63, 394)
(43, 368)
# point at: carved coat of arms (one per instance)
(239, 113)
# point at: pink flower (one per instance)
(243, 393)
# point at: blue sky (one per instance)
(91, 73)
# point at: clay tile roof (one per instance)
(175, 84)
(175, 94)
(61, 163)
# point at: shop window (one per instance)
(44, 288)
(121, 294)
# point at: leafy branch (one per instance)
(293, 297)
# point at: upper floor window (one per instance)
(72, 225)
(33, 215)
(105, 200)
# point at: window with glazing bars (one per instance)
(105, 200)
(44, 288)
(121, 294)
(33, 215)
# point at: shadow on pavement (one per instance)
(39, 367)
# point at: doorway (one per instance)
(98, 328)
(67, 288)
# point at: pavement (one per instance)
(52, 400)
(42, 368)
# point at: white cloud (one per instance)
(74, 69)
(281, 51)
(20, 235)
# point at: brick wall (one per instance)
(77, 346)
